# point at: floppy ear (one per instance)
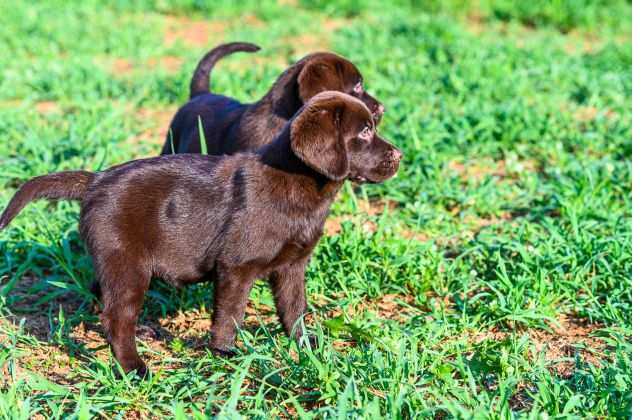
(317, 76)
(316, 138)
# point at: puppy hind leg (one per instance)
(123, 292)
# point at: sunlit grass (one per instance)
(491, 278)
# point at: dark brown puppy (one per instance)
(231, 127)
(231, 219)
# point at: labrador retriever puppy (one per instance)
(230, 219)
(230, 126)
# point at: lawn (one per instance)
(491, 279)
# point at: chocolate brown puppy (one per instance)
(230, 219)
(230, 126)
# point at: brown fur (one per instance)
(230, 127)
(230, 219)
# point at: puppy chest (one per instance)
(267, 239)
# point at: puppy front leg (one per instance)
(288, 287)
(231, 296)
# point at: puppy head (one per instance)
(327, 71)
(335, 135)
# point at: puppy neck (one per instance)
(282, 100)
(279, 155)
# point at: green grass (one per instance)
(496, 282)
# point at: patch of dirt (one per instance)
(590, 113)
(171, 64)
(121, 66)
(43, 107)
(36, 319)
(473, 225)
(194, 33)
(572, 336)
(333, 224)
(416, 236)
(304, 44)
(46, 107)
(251, 20)
(333, 24)
(46, 358)
(582, 43)
(480, 222)
(255, 60)
(480, 169)
(266, 313)
(398, 307)
(136, 415)
(189, 323)
(586, 113)
(475, 22)
(52, 359)
(124, 67)
(376, 207)
(92, 338)
(11, 103)
(393, 306)
(574, 42)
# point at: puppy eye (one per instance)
(365, 134)
(358, 88)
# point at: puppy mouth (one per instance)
(359, 179)
(384, 171)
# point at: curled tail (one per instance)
(200, 81)
(69, 185)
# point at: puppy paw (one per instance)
(142, 371)
(139, 369)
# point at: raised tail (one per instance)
(70, 185)
(200, 82)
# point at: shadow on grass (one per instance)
(47, 291)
